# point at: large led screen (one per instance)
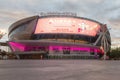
(67, 25)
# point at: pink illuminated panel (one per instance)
(67, 25)
(23, 48)
(17, 46)
(75, 49)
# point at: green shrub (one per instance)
(114, 54)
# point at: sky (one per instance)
(104, 11)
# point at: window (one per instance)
(66, 38)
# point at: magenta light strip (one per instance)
(72, 48)
(69, 47)
(17, 46)
(21, 47)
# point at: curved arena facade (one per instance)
(42, 36)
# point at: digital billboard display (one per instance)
(67, 25)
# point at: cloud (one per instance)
(7, 18)
(104, 11)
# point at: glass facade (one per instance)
(66, 38)
(19, 29)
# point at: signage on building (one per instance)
(67, 25)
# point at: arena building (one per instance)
(58, 34)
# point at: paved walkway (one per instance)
(59, 70)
